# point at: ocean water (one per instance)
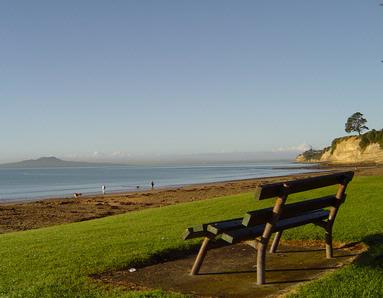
(36, 183)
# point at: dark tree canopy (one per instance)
(356, 122)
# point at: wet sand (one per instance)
(48, 212)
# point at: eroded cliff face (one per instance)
(349, 151)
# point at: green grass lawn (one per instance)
(56, 261)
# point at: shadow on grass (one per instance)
(373, 257)
(171, 254)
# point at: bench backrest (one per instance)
(261, 216)
(283, 189)
(272, 190)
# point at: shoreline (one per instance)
(308, 167)
(52, 211)
(21, 200)
(146, 189)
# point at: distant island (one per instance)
(53, 162)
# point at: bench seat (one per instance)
(248, 233)
(212, 228)
(221, 227)
(255, 218)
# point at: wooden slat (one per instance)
(257, 217)
(201, 230)
(293, 186)
(194, 232)
(256, 231)
(243, 234)
(219, 228)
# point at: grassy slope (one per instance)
(362, 219)
(56, 261)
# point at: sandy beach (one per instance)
(48, 212)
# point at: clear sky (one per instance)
(175, 77)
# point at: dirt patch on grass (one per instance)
(230, 271)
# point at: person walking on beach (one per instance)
(152, 184)
(103, 189)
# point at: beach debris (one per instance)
(131, 270)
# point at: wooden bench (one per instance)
(260, 224)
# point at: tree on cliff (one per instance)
(356, 122)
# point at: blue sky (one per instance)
(90, 79)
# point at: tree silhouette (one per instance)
(356, 122)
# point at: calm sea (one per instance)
(29, 184)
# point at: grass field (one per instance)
(56, 261)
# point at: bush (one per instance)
(371, 137)
(312, 154)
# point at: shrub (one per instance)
(312, 154)
(371, 137)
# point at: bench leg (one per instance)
(276, 240)
(328, 236)
(262, 245)
(261, 261)
(200, 257)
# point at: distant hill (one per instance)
(52, 162)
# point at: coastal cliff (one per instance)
(366, 148)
